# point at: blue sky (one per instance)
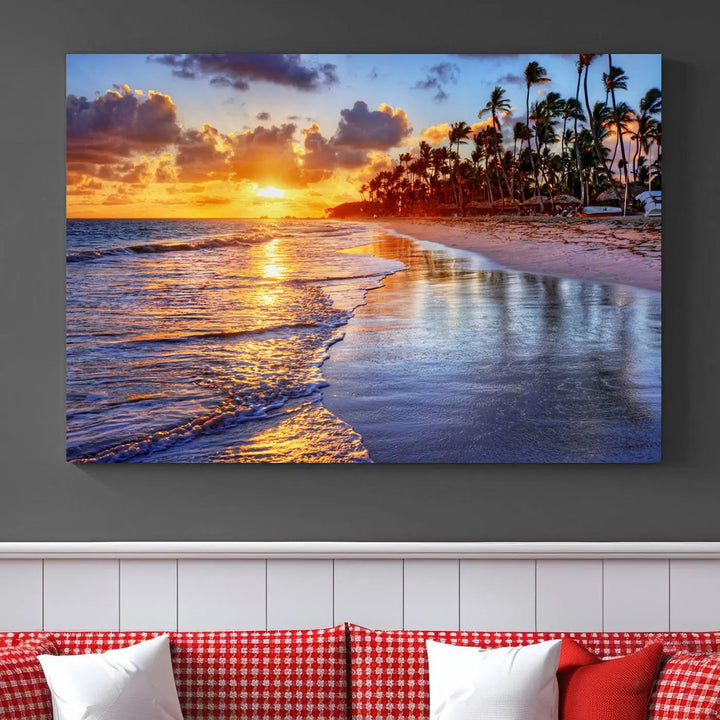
(231, 110)
(193, 134)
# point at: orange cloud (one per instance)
(129, 156)
(438, 134)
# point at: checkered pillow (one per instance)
(389, 670)
(263, 675)
(687, 688)
(24, 692)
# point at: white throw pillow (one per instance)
(132, 683)
(509, 683)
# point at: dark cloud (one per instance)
(165, 171)
(323, 155)
(437, 78)
(114, 125)
(263, 116)
(201, 156)
(239, 71)
(126, 172)
(371, 129)
(511, 79)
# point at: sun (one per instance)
(270, 192)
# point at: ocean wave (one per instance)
(222, 334)
(225, 417)
(211, 243)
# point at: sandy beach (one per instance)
(458, 360)
(618, 250)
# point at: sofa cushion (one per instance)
(616, 689)
(239, 675)
(687, 688)
(389, 674)
(24, 692)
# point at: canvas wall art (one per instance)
(364, 258)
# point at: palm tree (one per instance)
(622, 120)
(585, 61)
(497, 101)
(535, 74)
(650, 105)
(571, 111)
(578, 153)
(522, 133)
(657, 137)
(458, 132)
(483, 147)
(617, 80)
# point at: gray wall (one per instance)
(42, 498)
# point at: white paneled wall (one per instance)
(497, 594)
(193, 592)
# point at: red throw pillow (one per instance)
(24, 692)
(595, 689)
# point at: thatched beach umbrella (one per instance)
(538, 199)
(566, 200)
(607, 196)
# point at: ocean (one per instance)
(208, 341)
(203, 340)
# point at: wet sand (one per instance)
(458, 360)
(618, 250)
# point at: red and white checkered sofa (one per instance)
(350, 672)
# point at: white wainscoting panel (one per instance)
(636, 595)
(82, 594)
(148, 595)
(569, 595)
(299, 594)
(252, 586)
(695, 595)
(369, 593)
(222, 595)
(21, 605)
(431, 594)
(497, 595)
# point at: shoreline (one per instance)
(452, 361)
(624, 251)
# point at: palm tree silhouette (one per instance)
(617, 80)
(535, 74)
(585, 60)
(497, 101)
(459, 131)
(439, 179)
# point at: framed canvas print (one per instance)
(364, 258)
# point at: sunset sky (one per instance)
(251, 135)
